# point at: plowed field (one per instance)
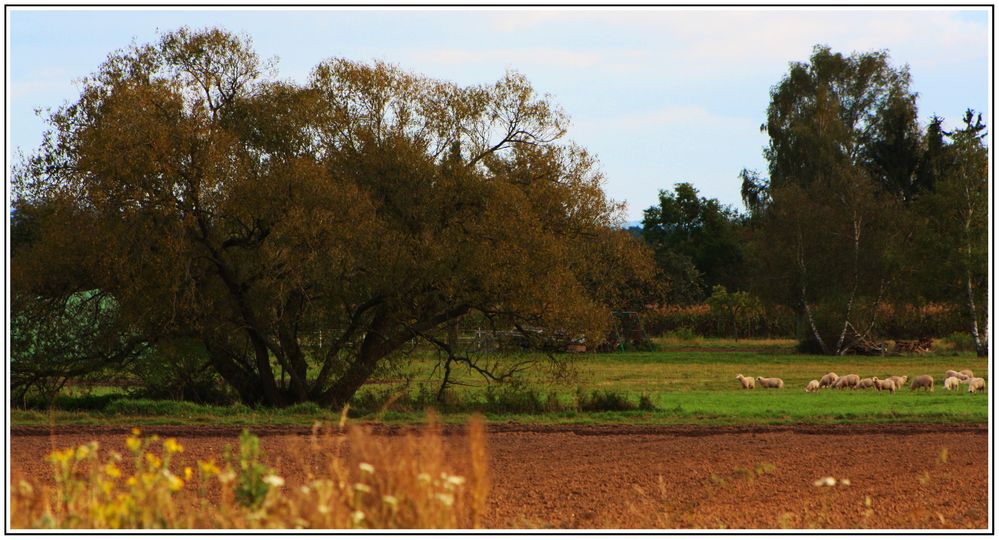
(900, 476)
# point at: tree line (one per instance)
(862, 206)
(296, 236)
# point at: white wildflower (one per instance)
(363, 488)
(390, 500)
(445, 498)
(273, 480)
(367, 467)
(357, 516)
(423, 477)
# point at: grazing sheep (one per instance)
(900, 380)
(848, 381)
(747, 382)
(813, 386)
(866, 382)
(886, 384)
(951, 383)
(958, 374)
(828, 379)
(922, 381)
(976, 384)
(968, 373)
(770, 382)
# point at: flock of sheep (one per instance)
(952, 380)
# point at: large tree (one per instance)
(843, 154)
(306, 232)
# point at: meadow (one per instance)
(683, 383)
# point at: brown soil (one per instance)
(661, 477)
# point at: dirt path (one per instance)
(667, 477)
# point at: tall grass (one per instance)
(367, 482)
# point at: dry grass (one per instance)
(402, 482)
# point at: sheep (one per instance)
(968, 373)
(828, 379)
(922, 381)
(770, 382)
(958, 374)
(951, 383)
(866, 382)
(900, 380)
(848, 381)
(884, 384)
(813, 386)
(976, 384)
(747, 382)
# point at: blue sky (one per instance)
(659, 95)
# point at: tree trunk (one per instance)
(244, 382)
(811, 322)
(376, 345)
(981, 345)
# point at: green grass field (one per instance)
(680, 387)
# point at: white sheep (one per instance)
(951, 373)
(747, 382)
(950, 383)
(886, 384)
(976, 384)
(813, 386)
(828, 379)
(900, 380)
(968, 373)
(848, 381)
(922, 381)
(866, 382)
(770, 382)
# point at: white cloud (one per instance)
(699, 39)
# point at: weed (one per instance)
(399, 483)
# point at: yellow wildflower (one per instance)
(172, 447)
(61, 456)
(83, 452)
(131, 481)
(153, 460)
(175, 483)
(188, 473)
(112, 470)
(133, 444)
(208, 467)
(136, 432)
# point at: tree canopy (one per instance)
(315, 228)
(696, 243)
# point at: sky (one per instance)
(660, 96)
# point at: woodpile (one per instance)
(914, 345)
(867, 347)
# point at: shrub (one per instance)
(752, 319)
(600, 400)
